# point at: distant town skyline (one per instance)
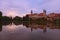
(22, 7)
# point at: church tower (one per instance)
(31, 11)
(44, 11)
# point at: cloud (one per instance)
(16, 5)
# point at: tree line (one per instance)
(26, 19)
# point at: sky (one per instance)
(22, 7)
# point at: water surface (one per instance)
(29, 32)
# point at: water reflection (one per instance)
(35, 26)
(11, 27)
(32, 26)
(0, 27)
(29, 31)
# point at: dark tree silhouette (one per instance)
(0, 16)
(6, 20)
(17, 20)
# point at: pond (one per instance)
(29, 32)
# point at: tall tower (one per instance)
(44, 11)
(31, 11)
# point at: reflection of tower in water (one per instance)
(31, 29)
(38, 26)
(35, 26)
(44, 30)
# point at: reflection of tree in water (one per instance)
(0, 26)
(6, 20)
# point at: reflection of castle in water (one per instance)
(36, 26)
(53, 26)
(44, 27)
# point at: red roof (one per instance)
(57, 15)
(54, 15)
(32, 14)
(41, 14)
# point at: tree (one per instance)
(17, 20)
(0, 15)
(6, 20)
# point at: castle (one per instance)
(37, 15)
(50, 16)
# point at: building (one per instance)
(52, 16)
(37, 15)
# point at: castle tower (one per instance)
(44, 11)
(31, 11)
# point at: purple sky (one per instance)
(22, 7)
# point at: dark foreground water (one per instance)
(28, 32)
